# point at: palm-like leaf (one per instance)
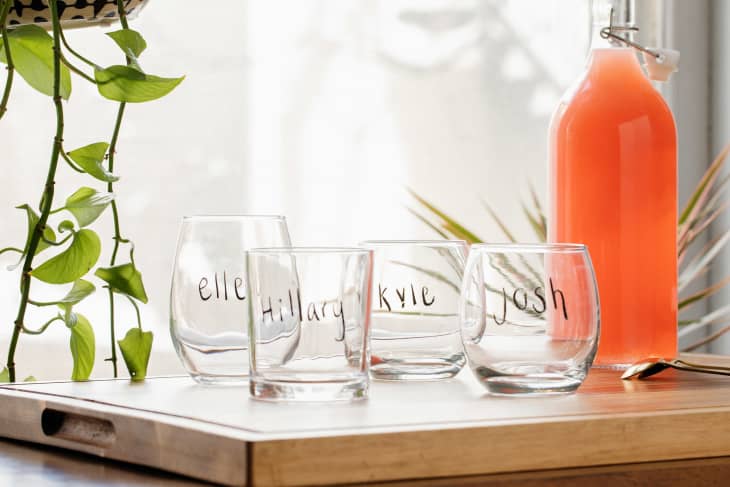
(446, 223)
(499, 222)
(705, 205)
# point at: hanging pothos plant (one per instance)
(45, 61)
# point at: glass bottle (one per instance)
(613, 186)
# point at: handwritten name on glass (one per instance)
(411, 296)
(221, 287)
(533, 301)
(279, 309)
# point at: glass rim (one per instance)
(425, 243)
(307, 251)
(232, 217)
(537, 248)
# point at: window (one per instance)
(324, 111)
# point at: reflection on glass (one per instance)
(415, 309)
(208, 297)
(309, 322)
(530, 316)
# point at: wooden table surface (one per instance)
(671, 429)
(29, 465)
(25, 464)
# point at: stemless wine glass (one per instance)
(415, 330)
(309, 323)
(208, 297)
(530, 316)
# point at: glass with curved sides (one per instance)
(530, 317)
(309, 320)
(208, 297)
(415, 311)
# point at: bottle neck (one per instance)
(616, 13)
(608, 55)
(612, 63)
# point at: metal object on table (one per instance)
(651, 366)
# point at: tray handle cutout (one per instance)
(78, 428)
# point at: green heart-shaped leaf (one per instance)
(87, 204)
(72, 263)
(130, 41)
(48, 233)
(32, 221)
(91, 159)
(83, 348)
(80, 290)
(4, 376)
(129, 84)
(124, 279)
(31, 48)
(136, 348)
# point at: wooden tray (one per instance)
(404, 431)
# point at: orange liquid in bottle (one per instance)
(613, 186)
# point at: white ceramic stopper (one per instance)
(661, 68)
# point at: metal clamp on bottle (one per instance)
(660, 63)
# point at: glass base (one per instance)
(515, 378)
(416, 369)
(309, 391)
(213, 365)
(220, 380)
(531, 384)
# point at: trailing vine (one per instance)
(8, 58)
(40, 58)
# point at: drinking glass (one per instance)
(415, 330)
(309, 322)
(208, 297)
(530, 316)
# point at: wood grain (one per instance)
(143, 440)
(24, 464)
(707, 473)
(536, 445)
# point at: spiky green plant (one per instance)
(705, 205)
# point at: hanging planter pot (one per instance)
(73, 13)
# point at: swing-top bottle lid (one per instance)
(661, 63)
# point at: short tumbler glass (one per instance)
(530, 316)
(415, 311)
(309, 322)
(208, 297)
